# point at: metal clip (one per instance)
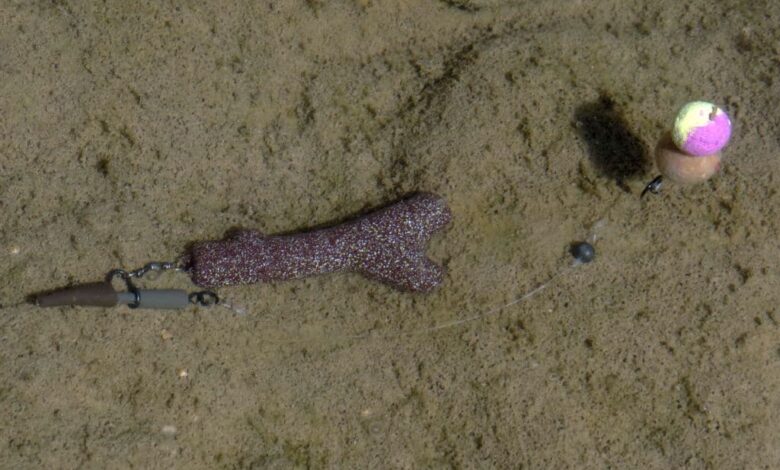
(204, 298)
(103, 294)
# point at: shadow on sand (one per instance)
(614, 149)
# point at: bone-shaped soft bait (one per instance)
(386, 245)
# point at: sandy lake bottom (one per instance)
(131, 129)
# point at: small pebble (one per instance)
(583, 252)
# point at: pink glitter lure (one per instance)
(386, 245)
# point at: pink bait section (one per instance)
(387, 245)
(709, 139)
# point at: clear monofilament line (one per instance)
(462, 321)
(239, 310)
(591, 237)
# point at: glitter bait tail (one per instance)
(387, 245)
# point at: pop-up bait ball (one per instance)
(701, 128)
(683, 168)
(691, 154)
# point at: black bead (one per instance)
(583, 252)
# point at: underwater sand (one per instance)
(130, 129)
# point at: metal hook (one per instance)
(653, 186)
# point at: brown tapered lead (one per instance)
(96, 294)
